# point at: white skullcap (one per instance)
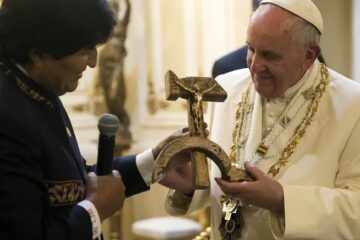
(305, 9)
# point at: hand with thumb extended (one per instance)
(106, 192)
(263, 192)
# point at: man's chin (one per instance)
(263, 92)
(72, 87)
(67, 90)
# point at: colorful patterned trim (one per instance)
(65, 192)
(24, 87)
(32, 93)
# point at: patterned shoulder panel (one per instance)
(65, 192)
(22, 82)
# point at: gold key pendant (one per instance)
(228, 223)
(229, 208)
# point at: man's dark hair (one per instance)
(56, 27)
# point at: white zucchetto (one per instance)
(305, 9)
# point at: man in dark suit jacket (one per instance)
(234, 60)
(230, 62)
(46, 189)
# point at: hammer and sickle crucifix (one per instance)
(196, 90)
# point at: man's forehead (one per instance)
(273, 20)
(304, 9)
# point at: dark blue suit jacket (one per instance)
(230, 62)
(42, 173)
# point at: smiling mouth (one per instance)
(263, 80)
(267, 76)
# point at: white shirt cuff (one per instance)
(145, 163)
(94, 217)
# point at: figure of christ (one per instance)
(196, 104)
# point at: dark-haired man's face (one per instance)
(61, 76)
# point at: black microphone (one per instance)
(108, 125)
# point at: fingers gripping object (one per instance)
(195, 90)
(202, 145)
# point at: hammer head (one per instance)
(185, 87)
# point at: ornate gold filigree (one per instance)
(306, 121)
(244, 108)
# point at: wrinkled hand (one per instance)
(179, 178)
(107, 193)
(179, 133)
(183, 132)
(263, 192)
(179, 174)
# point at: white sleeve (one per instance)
(145, 163)
(94, 217)
(317, 212)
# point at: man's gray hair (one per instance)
(306, 33)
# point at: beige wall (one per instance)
(336, 41)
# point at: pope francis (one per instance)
(293, 124)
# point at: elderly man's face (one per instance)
(275, 58)
(61, 76)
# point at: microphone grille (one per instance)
(108, 124)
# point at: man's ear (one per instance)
(36, 57)
(312, 53)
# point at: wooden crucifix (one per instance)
(196, 90)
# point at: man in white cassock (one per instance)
(293, 124)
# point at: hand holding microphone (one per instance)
(105, 189)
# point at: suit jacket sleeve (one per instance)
(130, 175)
(25, 213)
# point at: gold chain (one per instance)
(244, 109)
(306, 121)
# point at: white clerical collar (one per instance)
(290, 92)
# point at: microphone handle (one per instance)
(104, 164)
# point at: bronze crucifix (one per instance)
(196, 90)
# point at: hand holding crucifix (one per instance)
(196, 90)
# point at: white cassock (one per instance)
(321, 180)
